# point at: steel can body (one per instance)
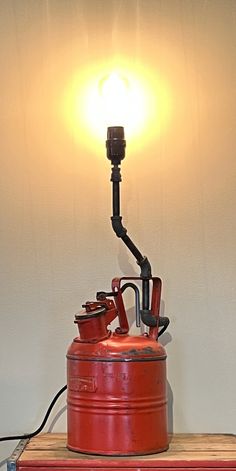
(117, 403)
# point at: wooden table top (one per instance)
(185, 450)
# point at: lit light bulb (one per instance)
(115, 94)
(101, 96)
(117, 99)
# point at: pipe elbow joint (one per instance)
(146, 269)
(147, 318)
(118, 227)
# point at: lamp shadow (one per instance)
(56, 418)
(123, 261)
(4, 462)
(10, 447)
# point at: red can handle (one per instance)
(155, 303)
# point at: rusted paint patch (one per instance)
(139, 352)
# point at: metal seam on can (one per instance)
(112, 360)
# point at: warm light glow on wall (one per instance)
(111, 95)
(116, 101)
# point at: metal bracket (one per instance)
(12, 460)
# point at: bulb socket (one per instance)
(115, 144)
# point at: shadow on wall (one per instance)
(3, 463)
(56, 418)
(8, 449)
(165, 339)
(125, 265)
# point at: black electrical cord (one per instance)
(163, 322)
(32, 434)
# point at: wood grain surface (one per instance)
(185, 451)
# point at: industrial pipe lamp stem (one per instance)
(115, 145)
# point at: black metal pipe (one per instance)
(146, 294)
(132, 247)
(116, 198)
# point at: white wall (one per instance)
(178, 201)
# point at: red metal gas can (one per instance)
(117, 403)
